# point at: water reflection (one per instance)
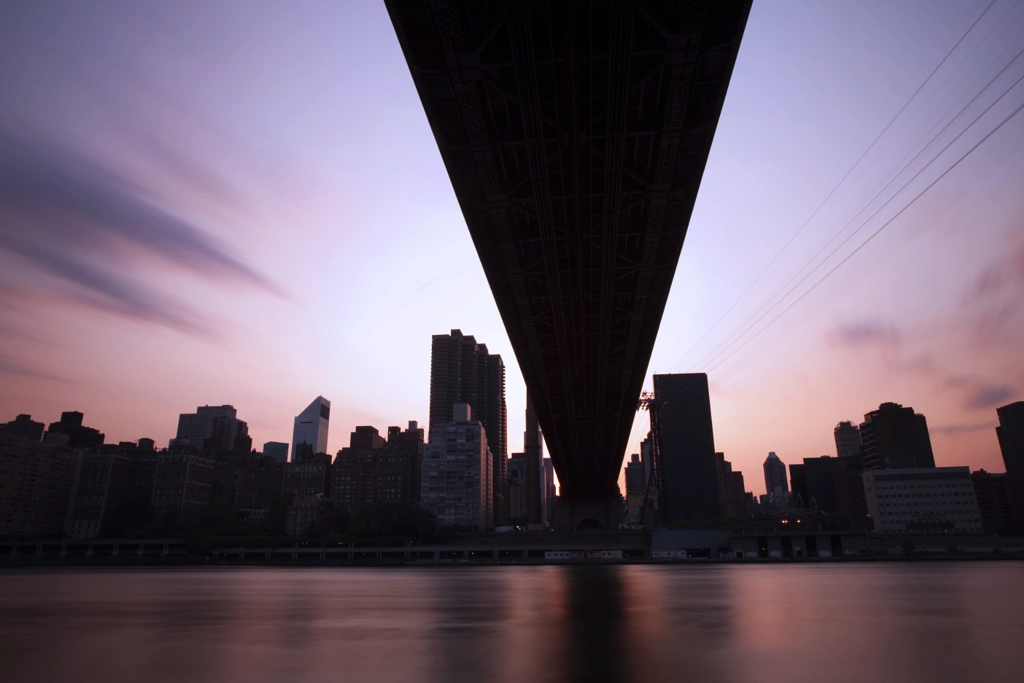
(843, 623)
(594, 628)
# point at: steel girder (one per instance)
(575, 135)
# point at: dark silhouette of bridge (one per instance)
(575, 134)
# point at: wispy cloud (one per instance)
(979, 394)
(866, 333)
(961, 428)
(974, 392)
(9, 366)
(1006, 272)
(73, 218)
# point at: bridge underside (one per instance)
(575, 135)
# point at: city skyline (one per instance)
(928, 315)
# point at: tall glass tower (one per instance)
(311, 427)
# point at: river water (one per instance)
(925, 621)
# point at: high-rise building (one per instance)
(851, 503)
(534, 475)
(516, 487)
(373, 470)
(820, 475)
(774, 475)
(646, 450)
(689, 477)
(311, 426)
(236, 480)
(213, 429)
(847, 440)
(922, 500)
(457, 473)
(894, 436)
(1010, 433)
(798, 486)
(24, 425)
(995, 501)
(277, 450)
(636, 488)
(71, 433)
(731, 493)
(401, 464)
(184, 481)
(354, 479)
(463, 371)
(106, 478)
(308, 474)
(636, 481)
(36, 480)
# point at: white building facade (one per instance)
(311, 426)
(457, 477)
(922, 500)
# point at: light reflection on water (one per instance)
(839, 623)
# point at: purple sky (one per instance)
(241, 202)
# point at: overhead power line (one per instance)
(746, 327)
(876, 232)
(839, 184)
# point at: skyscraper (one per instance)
(462, 371)
(534, 476)
(895, 436)
(311, 426)
(212, 429)
(798, 479)
(1010, 433)
(689, 476)
(847, 440)
(774, 475)
(515, 486)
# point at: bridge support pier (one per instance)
(588, 514)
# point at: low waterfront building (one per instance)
(922, 500)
